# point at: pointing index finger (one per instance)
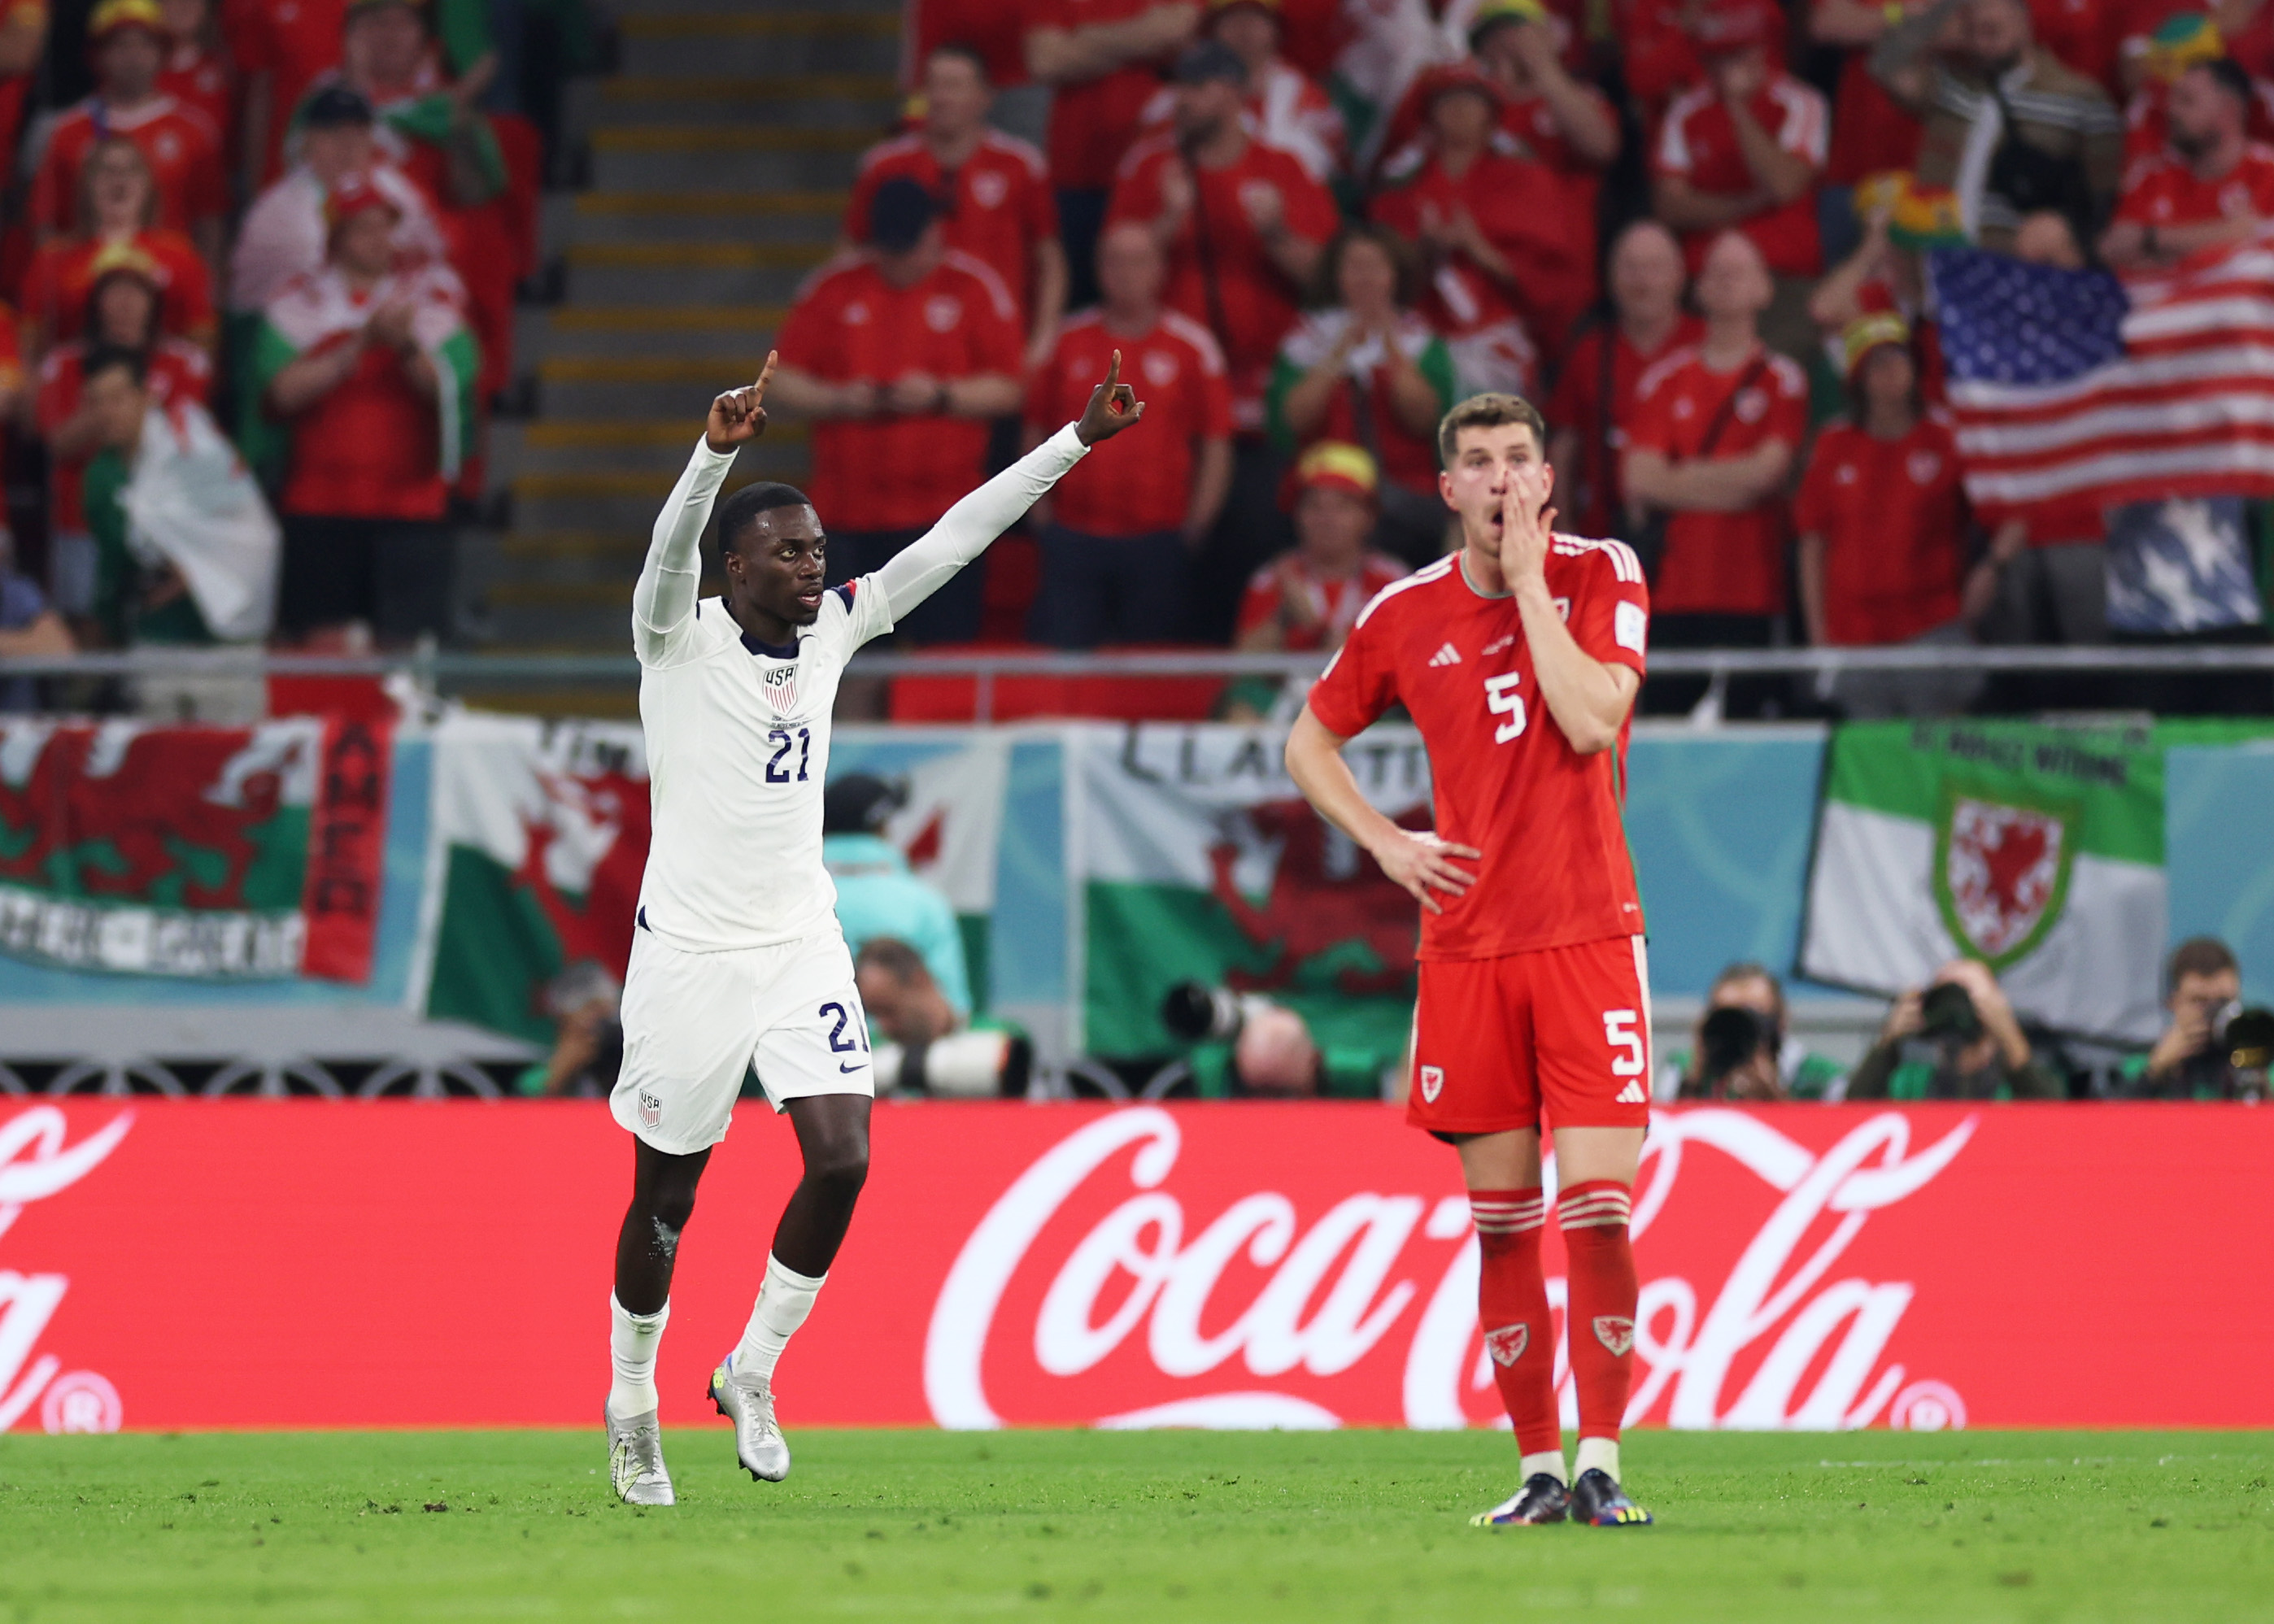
(766, 373)
(1113, 372)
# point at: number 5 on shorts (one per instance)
(1619, 1031)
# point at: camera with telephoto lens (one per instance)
(1194, 1012)
(962, 1065)
(1731, 1036)
(2245, 1037)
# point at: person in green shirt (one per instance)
(135, 602)
(1779, 1066)
(1937, 1044)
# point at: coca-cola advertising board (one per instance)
(286, 1263)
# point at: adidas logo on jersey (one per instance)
(1447, 656)
(1632, 1095)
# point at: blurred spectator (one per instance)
(198, 72)
(2009, 128)
(1594, 401)
(1954, 1039)
(2179, 42)
(117, 206)
(993, 190)
(1744, 151)
(905, 1003)
(29, 626)
(1871, 132)
(1366, 369)
(1741, 1049)
(123, 310)
(1284, 109)
(900, 356)
(23, 43)
(993, 33)
(1310, 598)
(1498, 245)
(282, 236)
(2183, 571)
(1099, 58)
(876, 895)
(187, 548)
(1118, 533)
(1275, 1056)
(371, 370)
(1716, 429)
(1243, 223)
(282, 48)
(2195, 1059)
(1886, 275)
(1562, 121)
(586, 1004)
(2212, 188)
(128, 42)
(1883, 521)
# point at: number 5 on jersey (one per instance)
(1501, 699)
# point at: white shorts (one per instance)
(694, 1022)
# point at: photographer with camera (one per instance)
(1740, 1051)
(2214, 1048)
(1954, 1039)
(924, 1044)
(585, 1002)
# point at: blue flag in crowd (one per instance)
(2005, 321)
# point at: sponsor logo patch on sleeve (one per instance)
(1628, 624)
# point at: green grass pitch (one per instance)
(2019, 1526)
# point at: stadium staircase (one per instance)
(721, 153)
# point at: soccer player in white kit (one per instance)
(737, 960)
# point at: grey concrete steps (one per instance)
(668, 389)
(809, 217)
(715, 334)
(866, 101)
(642, 165)
(757, 52)
(561, 445)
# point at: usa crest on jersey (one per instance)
(778, 684)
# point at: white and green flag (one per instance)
(2036, 849)
(1193, 857)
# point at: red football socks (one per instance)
(1512, 1308)
(1599, 1318)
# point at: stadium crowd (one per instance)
(260, 261)
(1694, 231)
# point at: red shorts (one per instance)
(1563, 1033)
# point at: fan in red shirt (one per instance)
(1286, 108)
(993, 32)
(1519, 658)
(282, 48)
(1309, 597)
(1118, 533)
(1872, 133)
(902, 356)
(993, 190)
(23, 43)
(1595, 392)
(1744, 148)
(1501, 253)
(1715, 431)
(119, 200)
(2212, 187)
(1243, 223)
(128, 41)
(198, 72)
(1100, 59)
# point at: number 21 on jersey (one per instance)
(1501, 699)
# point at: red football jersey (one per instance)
(2159, 191)
(996, 208)
(1590, 494)
(294, 41)
(1892, 516)
(891, 473)
(1093, 122)
(178, 372)
(200, 79)
(1698, 142)
(63, 275)
(1139, 483)
(1721, 563)
(995, 30)
(1256, 302)
(1505, 780)
(1334, 606)
(183, 150)
(1524, 210)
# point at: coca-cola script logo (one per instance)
(35, 1165)
(1244, 1313)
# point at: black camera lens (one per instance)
(1731, 1036)
(1947, 1012)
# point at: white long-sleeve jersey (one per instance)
(738, 730)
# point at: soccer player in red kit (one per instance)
(1519, 658)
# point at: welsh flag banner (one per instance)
(2036, 849)
(540, 834)
(218, 852)
(1195, 858)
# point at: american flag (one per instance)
(2074, 391)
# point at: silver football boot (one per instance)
(636, 1468)
(759, 1441)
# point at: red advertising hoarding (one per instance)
(288, 1264)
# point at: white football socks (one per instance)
(1599, 1455)
(784, 1301)
(1548, 1461)
(632, 1342)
